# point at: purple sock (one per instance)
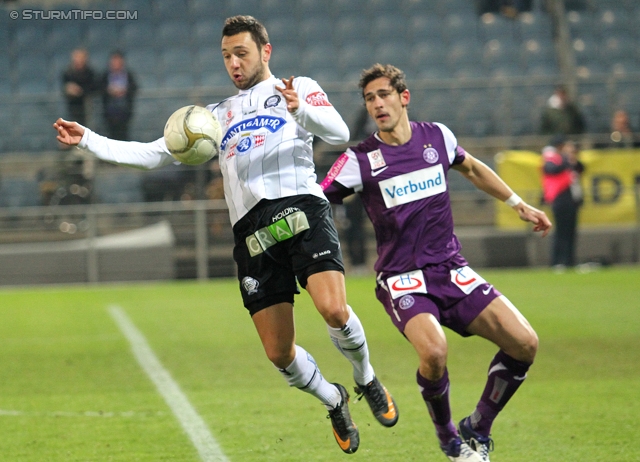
(505, 376)
(436, 397)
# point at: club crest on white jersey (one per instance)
(407, 283)
(466, 279)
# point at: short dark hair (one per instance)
(396, 76)
(238, 24)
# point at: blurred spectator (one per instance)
(118, 93)
(561, 116)
(68, 181)
(621, 134)
(78, 81)
(562, 190)
(508, 8)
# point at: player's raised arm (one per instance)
(488, 181)
(129, 153)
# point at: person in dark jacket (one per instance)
(78, 82)
(118, 93)
(561, 115)
(563, 191)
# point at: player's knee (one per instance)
(335, 314)
(280, 356)
(530, 347)
(433, 362)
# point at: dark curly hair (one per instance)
(238, 24)
(396, 76)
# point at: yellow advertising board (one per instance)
(611, 183)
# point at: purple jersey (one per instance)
(404, 190)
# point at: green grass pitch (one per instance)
(71, 389)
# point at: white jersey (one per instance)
(266, 152)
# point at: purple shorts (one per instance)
(451, 291)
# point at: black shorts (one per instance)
(281, 240)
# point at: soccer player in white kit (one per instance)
(282, 221)
(423, 281)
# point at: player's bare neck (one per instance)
(400, 135)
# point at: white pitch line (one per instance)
(191, 422)
(106, 414)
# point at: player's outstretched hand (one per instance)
(541, 222)
(290, 95)
(68, 132)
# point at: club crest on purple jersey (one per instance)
(406, 302)
(430, 155)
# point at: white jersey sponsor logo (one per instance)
(413, 186)
(318, 99)
(466, 279)
(271, 123)
(407, 283)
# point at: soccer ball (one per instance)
(192, 135)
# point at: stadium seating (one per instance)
(390, 28)
(234, 7)
(118, 187)
(19, 192)
(278, 8)
(147, 67)
(492, 26)
(349, 30)
(103, 35)
(310, 9)
(355, 56)
(5, 74)
(136, 35)
(177, 33)
(284, 62)
(32, 74)
(175, 44)
(319, 57)
(425, 27)
(144, 10)
(314, 29)
(63, 40)
(535, 25)
(282, 30)
(341, 8)
(175, 9)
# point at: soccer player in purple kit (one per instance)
(423, 281)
